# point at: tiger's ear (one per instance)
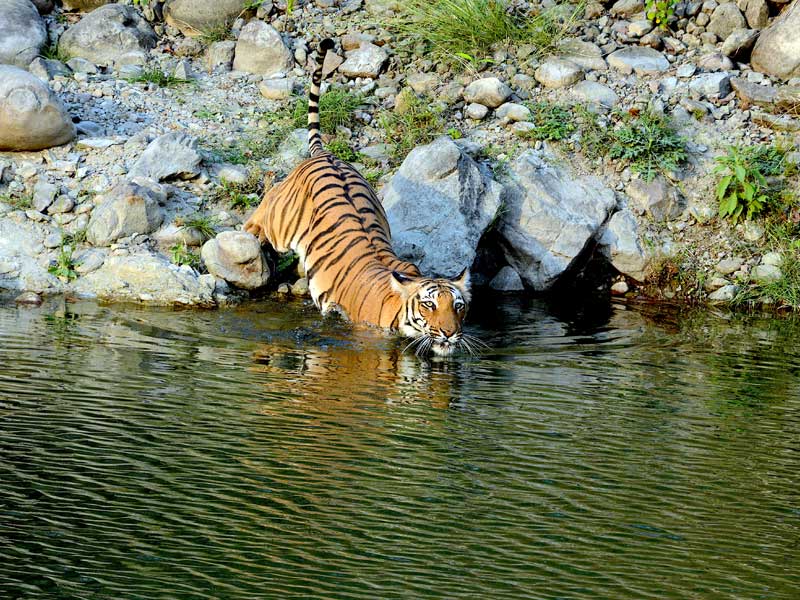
(401, 284)
(462, 282)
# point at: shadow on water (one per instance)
(596, 450)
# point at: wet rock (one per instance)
(711, 85)
(366, 61)
(620, 288)
(439, 203)
(489, 91)
(594, 94)
(29, 298)
(558, 73)
(19, 270)
(261, 50)
(551, 216)
(621, 243)
(193, 17)
(725, 19)
(32, 117)
(147, 278)
(127, 209)
(112, 34)
(22, 33)
(220, 55)
(236, 257)
(739, 43)
(507, 280)
(44, 6)
(777, 51)
(300, 288)
(657, 199)
(642, 61)
(173, 154)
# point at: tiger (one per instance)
(330, 216)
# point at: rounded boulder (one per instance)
(236, 257)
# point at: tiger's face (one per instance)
(433, 311)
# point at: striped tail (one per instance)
(314, 137)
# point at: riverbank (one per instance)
(609, 138)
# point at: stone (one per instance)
(594, 94)
(146, 278)
(724, 294)
(366, 61)
(586, 55)
(772, 258)
(657, 199)
(558, 73)
(756, 13)
(640, 28)
(711, 85)
(727, 266)
(642, 61)
(220, 54)
(127, 209)
(81, 65)
(277, 89)
(88, 260)
(627, 8)
(261, 50)
(173, 154)
(753, 93)
(715, 283)
(22, 33)
(507, 280)
(19, 270)
(715, 62)
(439, 204)
(551, 217)
(63, 204)
(236, 257)
(777, 51)
(174, 234)
(83, 6)
(44, 6)
(511, 112)
(183, 70)
(46, 69)
(489, 91)
(44, 193)
(29, 298)
(766, 274)
(775, 122)
(300, 288)
(620, 288)
(113, 34)
(752, 231)
(423, 83)
(476, 111)
(739, 43)
(725, 19)
(193, 17)
(32, 117)
(621, 243)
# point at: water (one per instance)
(266, 452)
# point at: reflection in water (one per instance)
(267, 452)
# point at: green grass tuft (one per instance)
(553, 122)
(53, 52)
(648, 143)
(418, 124)
(336, 109)
(158, 77)
(181, 254)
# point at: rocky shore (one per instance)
(136, 138)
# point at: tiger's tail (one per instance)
(314, 137)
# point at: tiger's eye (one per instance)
(428, 304)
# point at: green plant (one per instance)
(419, 124)
(659, 11)
(341, 149)
(54, 52)
(141, 2)
(648, 143)
(552, 122)
(158, 77)
(17, 202)
(241, 195)
(744, 188)
(337, 108)
(64, 267)
(180, 254)
(75, 238)
(373, 176)
(217, 33)
(455, 134)
(467, 29)
(205, 225)
(286, 261)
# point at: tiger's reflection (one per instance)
(342, 374)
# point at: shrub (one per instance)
(341, 149)
(337, 108)
(659, 11)
(241, 195)
(418, 124)
(158, 77)
(648, 143)
(180, 254)
(64, 267)
(552, 121)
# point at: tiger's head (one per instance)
(433, 311)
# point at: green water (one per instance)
(266, 452)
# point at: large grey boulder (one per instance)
(19, 269)
(551, 216)
(777, 51)
(32, 117)
(236, 257)
(146, 278)
(439, 204)
(22, 32)
(193, 17)
(725, 19)
(127, 209)
(111, 34)
(261, 50)
(622, 244)
(173, 154)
